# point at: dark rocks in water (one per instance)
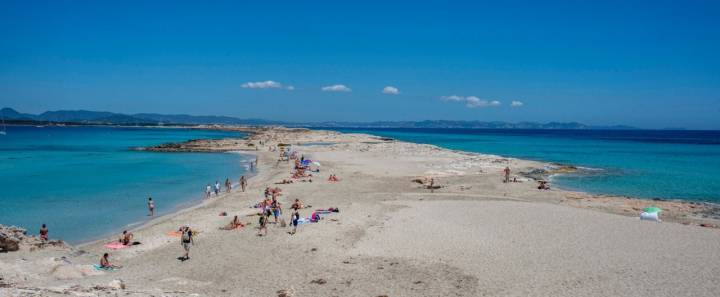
(536, 174)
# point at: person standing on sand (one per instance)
(44, 233)
(186, 240)
(228, 185)
(151, 206)
(243, 183)
(208, 191)
(217, 188)
(295, 220)
(507, 174)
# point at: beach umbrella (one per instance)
(652, 209)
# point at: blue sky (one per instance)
(649, 64)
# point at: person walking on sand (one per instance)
(208, 191)
(217, 188)
(151, 206)
(507, 174)
(44, 233)
(243, 183)
(186, 240)
(228, 185)
(295, 220)
(263, 223)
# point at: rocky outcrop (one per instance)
(15, 238)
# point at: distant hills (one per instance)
(151, 119)
(111, 118)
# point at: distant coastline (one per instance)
(84, 117)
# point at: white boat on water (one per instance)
(4, 129)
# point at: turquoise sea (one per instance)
(85, 182)
(637, 163)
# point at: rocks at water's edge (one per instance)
(15, 238)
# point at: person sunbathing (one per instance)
(105, 262)
(126, 238)
(234, 224)
(333, 178)
(543, 185)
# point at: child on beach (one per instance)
(263, 224)
(44, 233)
(151, 206)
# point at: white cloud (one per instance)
(471, 101)
(516, 104)
(452, 98)
(390, 90)
(336, 88)
(268, 84)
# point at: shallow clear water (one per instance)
(639, 163)
(85, 182)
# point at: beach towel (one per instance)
(303, 221)
(115, 245)
(100, 268)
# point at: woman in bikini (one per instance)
(44, 233)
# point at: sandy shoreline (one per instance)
(474, 236)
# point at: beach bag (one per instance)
(186, 237)
(647, 216)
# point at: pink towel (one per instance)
(115, 245)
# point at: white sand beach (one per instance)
(473, 236)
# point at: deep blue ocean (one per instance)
(638, 163)
(85, 182)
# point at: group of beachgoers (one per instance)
(269, 206)
(542, 184)
(216, 189)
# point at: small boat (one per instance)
(4, 129)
